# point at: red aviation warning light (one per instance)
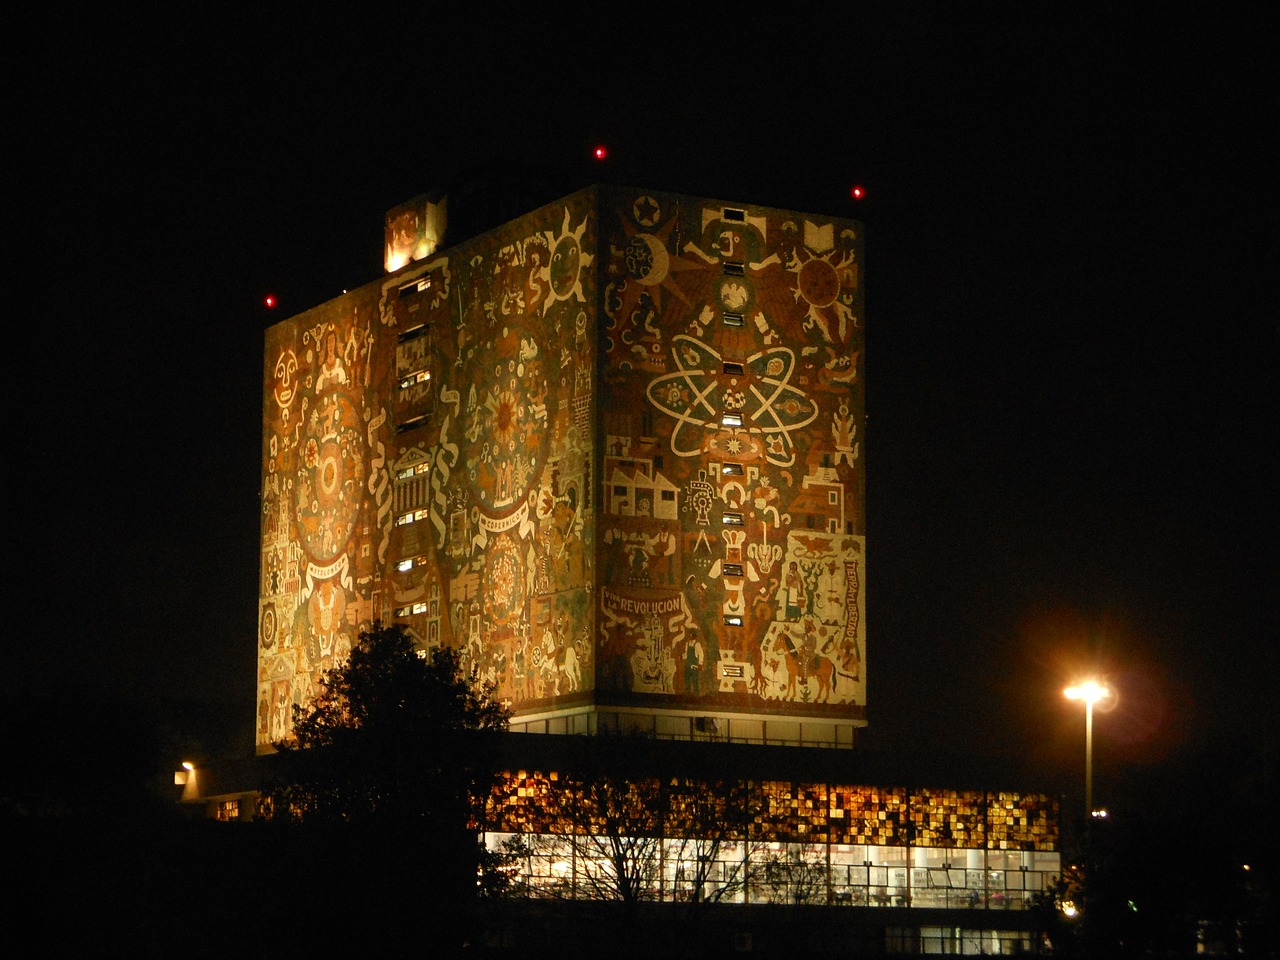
(856, 191)
(600, 152)
(269, 301)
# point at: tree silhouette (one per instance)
(385, 783)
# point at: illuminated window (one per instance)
(731, 469)
(402, 611)
(420, 607)
(733, 569)
(731, 420)
(404, 565)
(228, 810)
(730, 367)
(732, 319)
(733, 268)
(732, 520)
(735, 214)
(733, 621)
(418, 376)
(404, 518)
(415, 286)
(404, 473)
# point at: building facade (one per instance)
(610, 450)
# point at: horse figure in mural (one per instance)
(802, 666)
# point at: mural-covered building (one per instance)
(611, 451)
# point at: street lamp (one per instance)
(1090, 692)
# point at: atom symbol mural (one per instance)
(700, 393)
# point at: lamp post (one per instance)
(1090, 692)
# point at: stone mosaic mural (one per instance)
(610, 451)
(732, 535)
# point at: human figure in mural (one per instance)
(519, 674)
(264, 715)
(794, 588)
(330, 369)
(639, 565)
(532, 656)
(694, 658)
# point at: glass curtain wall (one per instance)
(737, 871)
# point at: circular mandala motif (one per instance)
(267, 628)
(504, 598)
(508, 434)
(330, 478)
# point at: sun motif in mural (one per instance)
(506, 416)
(563, 270)
(825, 278)
(760, 402)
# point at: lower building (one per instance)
(747, 847)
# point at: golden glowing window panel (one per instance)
(778, 811)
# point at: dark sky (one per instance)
(1071, 336)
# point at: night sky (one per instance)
(1071, 336)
